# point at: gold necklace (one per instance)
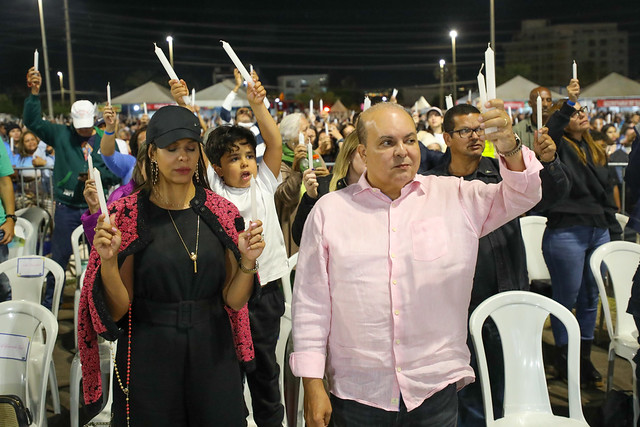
(168, 203)
(192, 255)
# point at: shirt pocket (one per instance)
(429, 239)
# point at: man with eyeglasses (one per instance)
(244, 115)
(527, 127)
(385, 272)
(501, 262)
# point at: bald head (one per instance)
(371, 113)
(547, 102)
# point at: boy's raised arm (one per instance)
(268, 128)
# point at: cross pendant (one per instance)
(194, 258)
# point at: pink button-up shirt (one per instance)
(383, 286)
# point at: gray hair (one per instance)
(290, 127)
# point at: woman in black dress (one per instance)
(168, 287)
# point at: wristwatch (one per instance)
(12, 216)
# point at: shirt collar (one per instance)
(365, 187)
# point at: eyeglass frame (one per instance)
(478, 131)
(584, 110)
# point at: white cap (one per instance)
(83, 113)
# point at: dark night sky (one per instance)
(376, 44)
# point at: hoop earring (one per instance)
(154, 172)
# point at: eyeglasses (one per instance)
(466, 132)
(584, 110)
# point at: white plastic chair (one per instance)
(23, 230)
(81, 251)
(30, 289)
(532, 228)
(40, 220)
(621, 260)
(107, 350)
(26, 378)
(520, 318)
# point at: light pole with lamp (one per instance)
(453, 34)
(47, 80)
(170, 41)
(442, 62)
(61, 86)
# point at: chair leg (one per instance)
(53, 386)
(74, 391)
(612, 359)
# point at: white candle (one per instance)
(35, 60)
(251, 69)
(168, 68)
(321, 106)
(367, 103)
(448, 101)
(539, 111)
(482, 89)
(608, 118)
(90, 163)
(326, 128)
(254, 204)
(394, 93)
(101, 199)
(469, 96)
(301, 138)
(310, 106)
(575, 70)
(310, 154)
(490, 63)
(11, 147)
(240, 66)
(109, 94)
(509, 111)
(193, 97)
(145, 108)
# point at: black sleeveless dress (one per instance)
(184, 370)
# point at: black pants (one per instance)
(264, 315)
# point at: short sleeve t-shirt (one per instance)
(5, 170)
(273, 261)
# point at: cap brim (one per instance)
(174, 135)
(83, 123)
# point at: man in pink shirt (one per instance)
(385, 273)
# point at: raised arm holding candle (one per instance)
(168, 68)
(240, 66)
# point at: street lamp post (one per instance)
(47, 80)
(493, 24)
(442, 62)
(61, 87)
(72, 79)
(453, 34)
(170, 40)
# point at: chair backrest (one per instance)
(81, 250)
(621, 260)
(23, 230)
(40, 220)
(532, 228)
(520, 317)
(29, 288)
(27, 378)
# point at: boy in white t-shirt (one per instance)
(232, 153)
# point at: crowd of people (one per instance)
(404, 221)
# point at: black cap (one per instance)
(171, 123)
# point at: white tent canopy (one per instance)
(516, 89)
(422, 104)
(214, 96)
(149, 92)
(613, 85)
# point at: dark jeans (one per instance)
(65, 221)
(567, 252)
(264, 315)
(470, 403)
(5, 286)
(440, 410)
